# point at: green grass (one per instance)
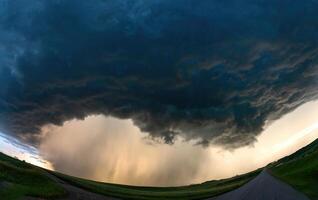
(300, 170)
(197, 191)
(19, 179)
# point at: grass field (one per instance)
(198, 191)
(19, 179)
(300, 170)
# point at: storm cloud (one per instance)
(211, 71)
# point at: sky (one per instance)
(130, 157)
(197, 83)
(14, 148)
(113, 150)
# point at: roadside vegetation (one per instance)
(19, 179)
(197, 191)
(300, 170)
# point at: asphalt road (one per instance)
(263, 187)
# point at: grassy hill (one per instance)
(19, 179)
(197, 191)
(300, 170)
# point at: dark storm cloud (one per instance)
(215, 71)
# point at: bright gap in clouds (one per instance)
(12, 147)
(113, 150)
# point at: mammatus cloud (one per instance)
(212, 71)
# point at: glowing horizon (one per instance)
(147, 158)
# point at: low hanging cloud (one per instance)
(211, 71)
(115, 151)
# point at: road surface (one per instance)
(263, 187)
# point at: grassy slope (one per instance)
(198, 191)
(18, 179)
(300, 170)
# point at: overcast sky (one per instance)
(196, 78)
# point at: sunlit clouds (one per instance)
(113, 150)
